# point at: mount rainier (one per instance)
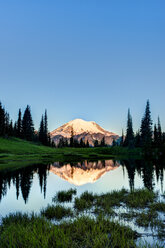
(87, 130)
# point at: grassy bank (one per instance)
(16, 153)
(94, 222)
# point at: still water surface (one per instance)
(32, 188)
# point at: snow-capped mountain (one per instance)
(87, 130)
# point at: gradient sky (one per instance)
(90, 59)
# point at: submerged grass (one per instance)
(140, 198)
(64, 196)
(56, 212)
(84, 202)
(23, 230)
(158, 206)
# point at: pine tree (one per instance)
(15, 129)
(45, 128)
(114, 143)
(66, 142)
(87, 144)
(19, 124)
(146, 128)
(96, 143)
(2, 120)
(72, 138)
(11, 129)
(159, 131)
(102, 142)
(137, 139)
(129, 139)
(81, 143)
(122, 139)
(7, 123)
(27, 125)
(41, 130)
(155, 141)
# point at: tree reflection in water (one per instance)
(22, 179)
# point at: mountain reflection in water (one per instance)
(84, 172)
(81, 173)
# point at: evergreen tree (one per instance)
(2, 120)
(61, 143)
(44, 136)
(27, 125)
(11, 129)
(122, 139)
(19, 124)
(81, 143)
(146, 128)
(66, 142)
(102, 142)
(53, 144)
(159, 131)
(45, 128)
(41, 130)
(155, 141)
(114, 143)
(137, 139)
(129, 139)
(7, 123)
(87, 144)
(96, 143)
(15, 129)
(72, 138)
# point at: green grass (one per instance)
(147, 218)
(16, 153)
(158, 206)
(64, 196)
(56, 212)
(84, 202)
(23, 230)
(34, 231)
(140, 198)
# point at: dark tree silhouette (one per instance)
(2, 120)
(96, 143)
(87, 144)
(129, 138)
(27, 125)
(102, 142)
(41, 130)
(137, 139)
(122, 139)
(72, 138)
(19, 124)
(146, 128)
(159, 132)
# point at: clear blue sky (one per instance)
(90, 59)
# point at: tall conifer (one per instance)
(27, 125)
(146, 128)
(129, 139)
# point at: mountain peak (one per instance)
(87, 130)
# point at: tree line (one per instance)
(146, 137)
(23, 128)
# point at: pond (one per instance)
(32, 188)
